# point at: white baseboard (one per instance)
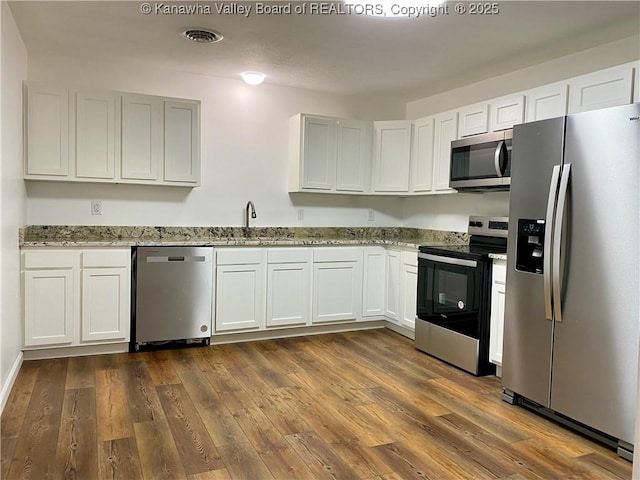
(407, 332)
(11, 379)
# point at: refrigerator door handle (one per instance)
(548, 241)
(497, 158)
(557, 242)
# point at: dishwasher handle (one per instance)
(172, 259)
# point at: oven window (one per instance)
(450, 292)
(449, 296)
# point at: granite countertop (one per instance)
(127, 236)
(498, 256)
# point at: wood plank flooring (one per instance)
(358, 405)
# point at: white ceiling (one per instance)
(344, 54)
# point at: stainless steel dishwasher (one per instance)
(173, 296)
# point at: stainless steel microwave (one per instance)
(481, 162)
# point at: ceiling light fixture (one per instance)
(253, 78)
(202, 35)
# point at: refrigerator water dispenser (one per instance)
(530, 246)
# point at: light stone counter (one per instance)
(127, 236)
(498, 256)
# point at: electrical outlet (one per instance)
(371, 215)
(301, 214)
(96, 207)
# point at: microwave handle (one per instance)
(497, 158)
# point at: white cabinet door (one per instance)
(95, 135)
(409, 289)
(182, 142)
(142, 136)
(606, 88)
(337, 291)
(545, 102)
(373, 286)
(445, 131)
(497, 311)
(506, 112)
(422, 167)
(288, 294)
(392, 156)
(353, 155)
(318, 153)
(473, 119)
(240, 297)
(105, 304)
(47, 132)
(392, 304)
(49, 313)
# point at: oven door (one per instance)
(449, 293)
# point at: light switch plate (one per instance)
(301, 214)
(371, 215)
(96, 207)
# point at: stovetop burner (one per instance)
(489, 236)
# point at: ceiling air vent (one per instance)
(202, 35)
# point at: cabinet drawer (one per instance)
(106, 258)
(239, 256)
(499, 271)
(288, 255)
(49, 259)
(337, 254)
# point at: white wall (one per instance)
(244, 156)
(12, 197)
(449, 213)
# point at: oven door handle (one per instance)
(449, 260)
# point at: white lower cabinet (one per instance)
(240, 289)
(288, 287)
(409, 288)
(49, 313)
(76, 297)
(392, 286)
(106, 306)
(497, 311)
(401, 286)
(337, 284)
(373, 281)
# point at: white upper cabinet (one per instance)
(353, 155)
(422, 166)
(606, 88)
(142, 137)
(473, 119)
(182, 142)
(392, 155)
(95, 135)
(549, 101)
(445, 131)
(312, 153)
(47, 146)
(506, 112)
(111, 137)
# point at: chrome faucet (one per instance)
(248, 208)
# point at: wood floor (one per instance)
(358, 405)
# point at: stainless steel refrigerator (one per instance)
(572, 318)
